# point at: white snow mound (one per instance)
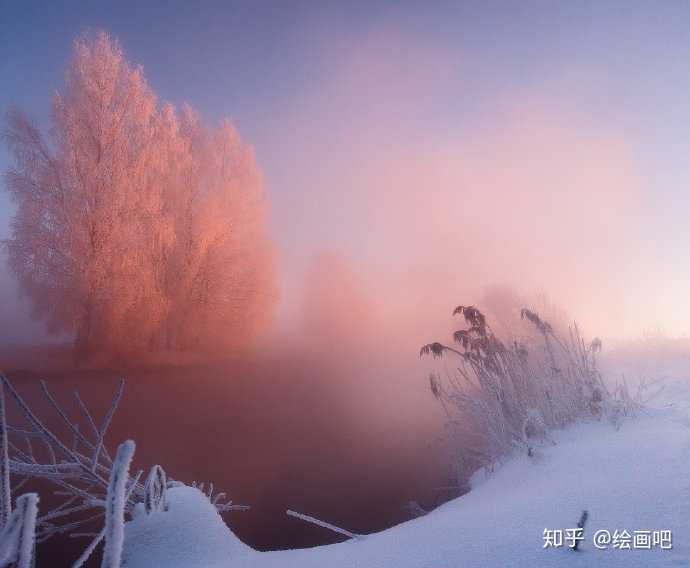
(634, 478)
(190, 533)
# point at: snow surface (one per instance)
(636, 477)
(191, 534)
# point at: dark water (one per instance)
(326, 439)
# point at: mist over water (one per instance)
(387, 209)
(329, 433)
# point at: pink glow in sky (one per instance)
(437, 151)
(538, 197)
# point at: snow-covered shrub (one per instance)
(502, 396)
(217, 498)
(96, 488)
(625, 402)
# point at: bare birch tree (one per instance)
(136, 229)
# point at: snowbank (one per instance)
(634, 478)
(190, 533)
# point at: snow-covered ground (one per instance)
(635, 478)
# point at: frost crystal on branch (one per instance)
(155, 488)
(17, 538)
(324, 524)
(5, 492)
(115, 506)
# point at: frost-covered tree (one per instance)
(218, 218)
(136, 229)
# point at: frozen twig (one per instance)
(115, 506)
(98, 536)
(18, 535)
(155, 490)
(324, 524)
(107, 420)
(5, 491)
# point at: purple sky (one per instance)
(385, 130)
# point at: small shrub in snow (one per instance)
(94, 485)
(218, 498)
(501, 396)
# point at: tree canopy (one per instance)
(138, 227)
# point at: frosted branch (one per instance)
(324, 524)
(115, 506)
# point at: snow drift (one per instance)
(633, 477)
